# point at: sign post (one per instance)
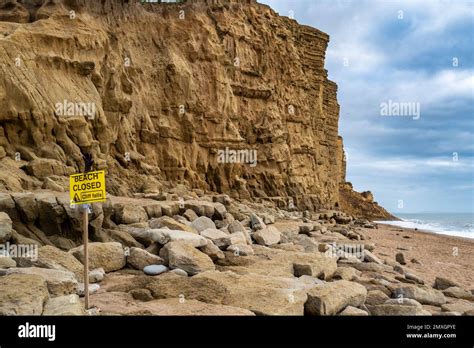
(84, 189)
(85, 241)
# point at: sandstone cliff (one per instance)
(155, 92)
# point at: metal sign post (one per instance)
(86, 188)
(85, 240)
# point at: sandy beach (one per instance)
(438, 255)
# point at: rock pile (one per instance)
(193, 255)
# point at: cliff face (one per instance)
(157, 93)
(361, 205)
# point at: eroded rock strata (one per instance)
(155, 92)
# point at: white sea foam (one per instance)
(459, 225)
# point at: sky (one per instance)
(405, 71)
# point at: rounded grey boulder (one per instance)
(155, 270)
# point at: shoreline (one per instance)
(421, 230)
(435, 255)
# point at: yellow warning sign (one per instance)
(87, 188)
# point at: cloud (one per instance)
(357, 58)
(410, 165)
(408, 59)
(430, 89)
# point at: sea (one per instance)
(453, 224)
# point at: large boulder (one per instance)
(130, 214)
(346, 273)
(52, 215)
(190, 215)
(153, 210)
(458, 306)
(256, 223)
(5, 227)
(201, 208)
(121, 237)
(422, 294)
(218, 237)
(263, 295)
(26, 205)
(7, 205)
(64, 305)
(353, 312)
(275, 262)
(169, 208)
(186, 257)
(235, 226)
(318, 267)
(457, 292)
(202, 223)
(331, 298)
(369, 257)
(396, 309)
(59, 282)
(404, 301)
(22, 294)
(20, 239)
(376, 297)
(414, 278)
(109, 256)
(211, 250)
(119, 303)
(444, 283)
(267, 236)
(50, 184)
(223, 199)
(220, 210)
(342, 219)
(139, 232)
(164, 236)
(139, 259)
(172, 224)
(54, 258)
(239, 238)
